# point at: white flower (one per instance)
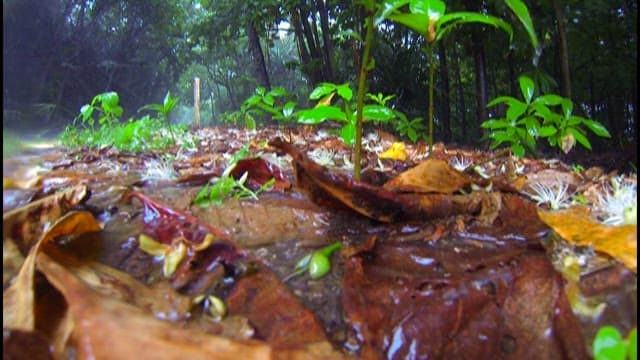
(620, 205)
(161, 169)
(555, 195)
(323, 157)
(460, 163)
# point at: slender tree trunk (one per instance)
(462, 107)
(477, 48)
(327, 49)
(444, 104)
(257, 57)
(564, 50)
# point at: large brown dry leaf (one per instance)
(371, 201)
(26, 224)
(576, 226)
(430, 176)
(454, 301)
(18, 300)
(110, 329)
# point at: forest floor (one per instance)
(460, 252)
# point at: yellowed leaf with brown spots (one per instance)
(576, 226)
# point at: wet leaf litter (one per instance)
(457, 253)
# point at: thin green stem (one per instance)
(430, 59)
(362, 81)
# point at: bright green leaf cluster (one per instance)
(609, 344)
(143, 134)
(377, 112)
(534, 118)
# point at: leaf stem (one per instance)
(364, 70)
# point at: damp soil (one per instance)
(444, 287)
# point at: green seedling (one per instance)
(527, 121)
(227, 185)
(317, 263)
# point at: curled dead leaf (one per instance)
(430, 176)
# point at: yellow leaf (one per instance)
(152, 247)
(576, 226)
(173, 258)
(397, 151)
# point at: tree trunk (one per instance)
(327, 49)
(257, 57)
(462, 107)
(446, 109)
(477, 48)
(564, 50)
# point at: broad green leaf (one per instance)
(278, 91)
(550, 99)
(447, 22)
(345, 91)
(320, 114)
(608, 344)
(540, 109)
(388, 8)
(260, 90)
(502, 99)
(515, 110)
(86, 111)
(501, 136)
(596, 127)
(269, 100)
(322, 90)
(521, 11)
(377, 113)
(416, 22)
(546, 131)
(495, 124)
(348, 134)
(527, 87)
(109, 99)
(579, 136)
(567, 108)
(288, 108)
(518, 150)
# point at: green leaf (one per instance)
(567, 107)
(433, 8)
(550, 99)
(377, 113)
(287, 109)
(608, 344)
(527, 87)
(320, 114)
(502, 99)
(416, 22)
(521, 11)
(579, 136)
(269, 100)
(518, 150)
(495, 124)
(447, 22)
(632, 346)
(546, 131)
(278, 91)
(348, 134)
(322, 90)
(345, 91)
(515, 110)
(596, 127)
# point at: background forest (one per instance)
(58, 54)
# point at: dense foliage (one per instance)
(60, 53)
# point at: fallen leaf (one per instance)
(576, 226)
(396, 151)
(430, 176)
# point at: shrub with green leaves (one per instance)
(527, 121)
(324, 93)
(146, 133)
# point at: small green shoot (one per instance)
(317, 262)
